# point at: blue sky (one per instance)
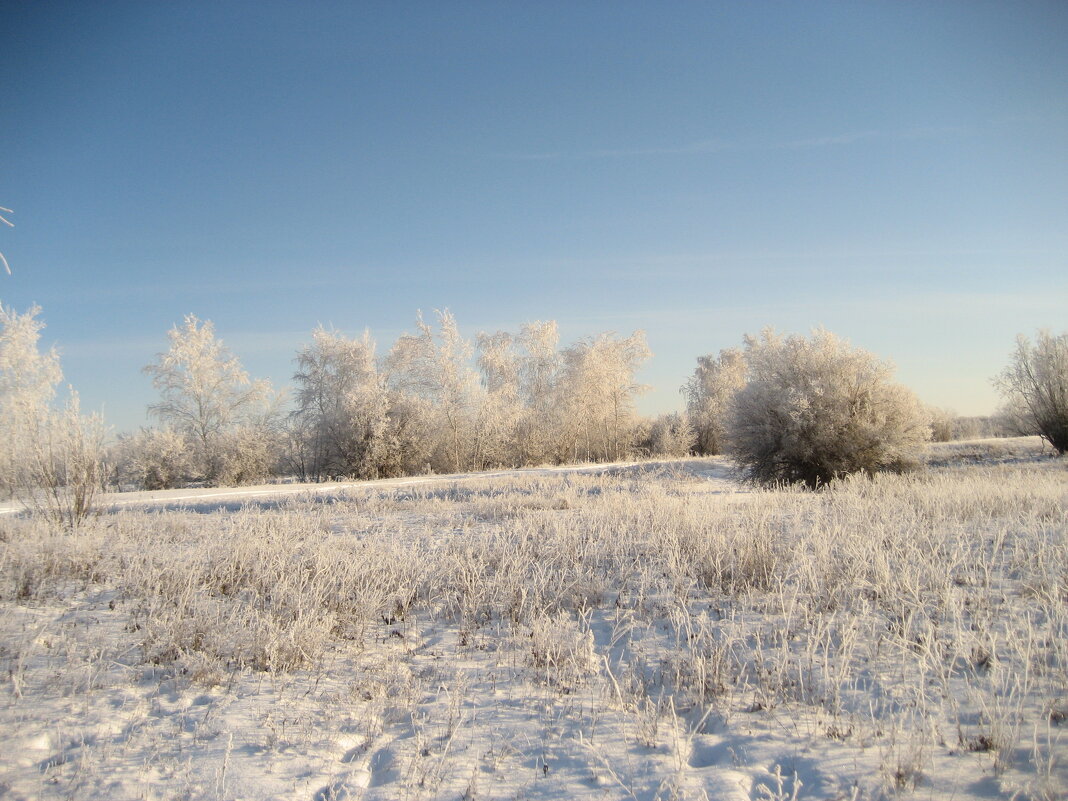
(896, 172)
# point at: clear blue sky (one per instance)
(896, 172)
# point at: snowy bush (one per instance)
(59, 467)
(245, 456)
(943, 423)
(816, 409)
(51, 458)
(153, 459)
(670, 435)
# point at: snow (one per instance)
(263, 493)
(593, 701)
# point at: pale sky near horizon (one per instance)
(895, 172)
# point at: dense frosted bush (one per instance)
(668, 435)
(816, 408)
(943, 423)
(153, 459)
(245, 456)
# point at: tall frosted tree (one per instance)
(207, 397)
(497, 425)
(342, 406)
(437, 371)
(598, 389)
(28, 380)
(51, 457)
(540, 433)
(1035, 388)
(709, 393)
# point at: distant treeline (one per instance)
(439, 402)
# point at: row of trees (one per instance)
(435, 402)
(786, 408)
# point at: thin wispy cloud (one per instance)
(693, 148)
(713, 146)
(904, 134)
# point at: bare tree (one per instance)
(815, 409)
(709, 393)
(208, 397)
(1035, 388)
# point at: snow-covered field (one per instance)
(649, 631)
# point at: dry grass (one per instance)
(920, 617)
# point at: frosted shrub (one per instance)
(816, 409)
(50, 458)
(154, 459)
(60, 467)
(943, 423)
(562, 647)
(670, 435)
(244, 456)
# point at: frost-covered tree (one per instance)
(598, 388)
(342, 406)
(52, 456)
(501, 410)
(816, 408)
(28, 380)
(1035, 388)
(539, 436)
(437, 371)
(412, 439)
(207, 397)
(709, 393)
